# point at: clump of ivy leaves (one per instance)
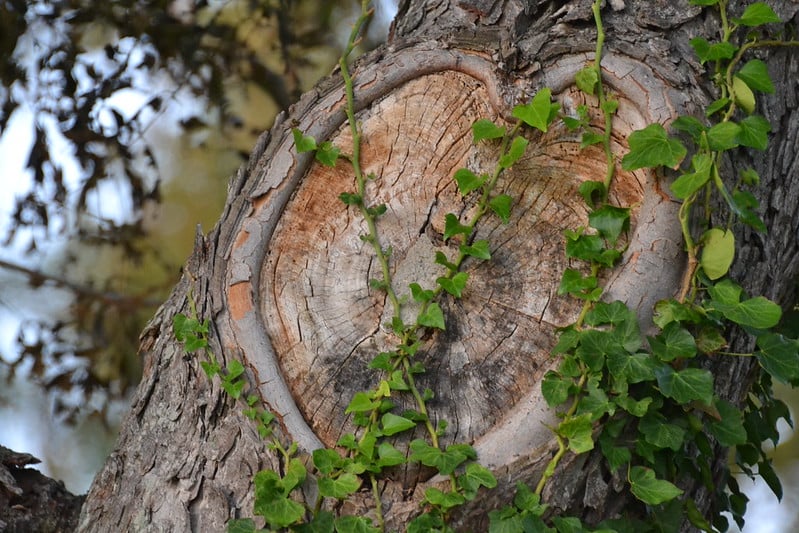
(660, 416)
(653, 399)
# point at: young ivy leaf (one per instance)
(757, 312)
(327, 154)
(478, 249)
(539, 112)
(712, 52)
(689, 183)
(419, 294)
(610, 221)
(754, 132)
(757, 14)
(501, 205)
(587, 79)
(755, 74)
(393, 424)
(340, 487)
(686, 385)
(650, 490)
(515, 152)
(433, 317)
(484, 129)
(304, 143)
(468, 181)
(452, 227)
(454, 285)
(652, 147)
(723, 136)
(718, 251)
(578, 431)
(779, 356)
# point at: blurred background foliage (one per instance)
(120, 123)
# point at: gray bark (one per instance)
(284, 280)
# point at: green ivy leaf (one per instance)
(647, 488)
(758, 312)
(393, 424)
(442, 259)
(445, 500)
(452, 227)
(716, 106)
(674, 342)
(468, 181)
(687, 184)
(350, 198)
(592, 192)
(327, 154)
(484, 129)
(539, 112)
(304, 143)
(578, 430)
(743, 95)
(723, 136)
(322, 522)
(610, 221)
(361, 402)
(340, 487)
(433, 317)
(779, 356)
(555, 388)
(271, 502)
(388, 455)
(615, 312)
(690, 125)
(660, 433)
(754, 132)
(515, 152)
(294, 476)
(686, 385)
(419, 294)
(575, 284)
(587, 79)
(757, 14)
(718, 251)
(241, 525)
(633, 368)
(667, 311)
(637, 408)
(326, 460)
(501, 205)
(615, 455)
(444, 461)
(652, 147)
(474, 477)
(729, 431)
(478, 249)
(709, 340)
(755, 74)
(355, 524)
(706, 51)
(454, 285)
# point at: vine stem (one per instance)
(549, 471)
(600, 43)
(360, 179)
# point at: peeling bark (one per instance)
(284, 277)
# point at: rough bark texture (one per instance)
(284, 277)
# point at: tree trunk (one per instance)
(284, 277)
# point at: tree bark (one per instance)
(284, 277)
